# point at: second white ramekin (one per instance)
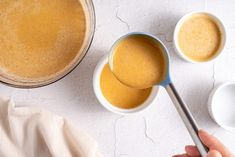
(104, 102)
(177, 29)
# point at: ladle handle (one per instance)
(187, 118)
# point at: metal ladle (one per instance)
(166, 82)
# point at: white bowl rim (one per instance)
(219, 24)
(210, 106)
(103, 101)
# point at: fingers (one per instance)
(181, 155)
(192, 151)
(213, 153)
(217, 149)
(213, 143)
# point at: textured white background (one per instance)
(157, 132)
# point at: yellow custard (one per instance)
(199, 37)
(118, 94)
(41, 37)
(138, 61)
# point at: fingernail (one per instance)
(202, 133)
(213, 153)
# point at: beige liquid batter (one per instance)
(138, 62)
(118, 94)
(199, 38)
(40, 37)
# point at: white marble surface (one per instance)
(157, 132)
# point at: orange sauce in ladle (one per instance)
(138, 61)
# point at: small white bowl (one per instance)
(104, 102)
(221, 105)
(177, 29)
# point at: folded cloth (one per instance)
(34, 132)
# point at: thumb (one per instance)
(213, 143)
(213, 153)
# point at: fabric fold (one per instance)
(35, 132)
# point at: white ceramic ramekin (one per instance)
(177, 29)
(221, 105)
(104, 102)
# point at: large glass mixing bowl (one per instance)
(90, 28)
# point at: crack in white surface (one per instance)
(213, 75)
(115, 134)
(165, 37)
(119, 18)
(169, 41)
(146, 131)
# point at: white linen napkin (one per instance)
(35, 132)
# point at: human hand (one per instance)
(216, 148)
